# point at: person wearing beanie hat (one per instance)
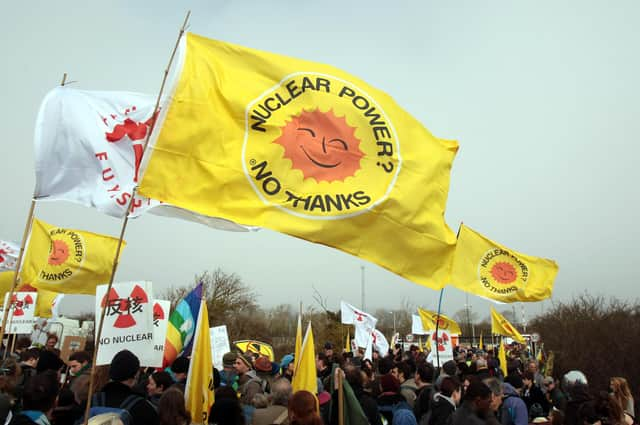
(286, 366)
(180, 369)
(390, 400)
(119, 393)
(248, 382)
(228, 375)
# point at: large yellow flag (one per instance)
(304, 377)
(501, 326)
(488, 269)
(502, 357)
(429, 322)
(304, 149)
(67, 261)
(199, 387)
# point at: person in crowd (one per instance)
(38, 400)
(277, 411)
(228, 376)
(52, 342)
(475, 407)
(286, 366)
(79, 363)
(171, 407)
(404, 374)
(28, 364)
(49, 360)
(323, 367)
(248, 382)
(303, 409)
(619, 388)
(226, 410)
(423, 379)
(23, 343)
(575, 385)
(263, 368)
(332, 356)
(180, 369)
(603, 409)
(445, 401)
(482, 369)
(390, 400)
(513, 410)
(538, 379)
(157, 384)
(497, 392)
(354, 376)
(556, 398)
(537, 404)
(118, 393)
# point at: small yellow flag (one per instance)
(298, 347)
(199, 394)
(481, 344)
(67, 261)
(502, 357)
(420, 347)
(490, 270)
(305, 377)
(501, 326)
(305, 149)
(347, 343)
(429, 322)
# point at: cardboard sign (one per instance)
(70, 345)
(160, 323)
(20, 319)
(219, 344)
(128, 321)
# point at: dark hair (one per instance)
(385, 365)
(353, 376)
(226, 410)
(162, 379)
(303, 409)
(40, 392)
(448, 385)
(23, 342)
(31, 353)
(404, 368)
(171, 408)
(425, 371)
(476, 389)
(80, 356)
(52, 335)
(323, 357)
(528, 375)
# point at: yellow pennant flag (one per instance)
(304, 149)
(502, 357)
(429, 322)
(488, 269)
(298, 347)
(304, 377)
(481, 344)
(67, 261)
(501, 326)
(199, 387)
(347, 343)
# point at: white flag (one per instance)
(8, 255)
(364, 323)
(88, 149)
(377, 342)
(416, 325)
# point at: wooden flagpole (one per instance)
(27, 229)
(124, 227)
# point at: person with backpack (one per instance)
(118, 396)
(392, 405)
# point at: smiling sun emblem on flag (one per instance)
(321, 145)
(504, 273)
(59, 252)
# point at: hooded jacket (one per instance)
(514, 411)
(441, 409)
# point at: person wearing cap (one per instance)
(248, 382)
(554, 395)
(228, 375)
(263, 368)
(179, 370)
(122, 374)
(286, 366)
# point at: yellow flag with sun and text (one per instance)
(490, 270)
(445, 324)
(305, 149)
(305, 376)
(501, 326)
(199, 394)
(67, 261)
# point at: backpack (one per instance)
(98, 407)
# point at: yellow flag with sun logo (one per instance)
(67, 261)
(488, 269)
(501, 326)
(304, 149)
(429, 319)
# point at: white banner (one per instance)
(364, 323)
(160, 323)
(378, 343)
(219, 344)
(21, 312)
(8, 255)
(416, 325)
(88, 149)
(444, 347)
(128, 321)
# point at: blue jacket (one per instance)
(514, 411)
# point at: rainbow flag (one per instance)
(181, 327)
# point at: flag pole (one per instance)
(340, 399)
(123, 229)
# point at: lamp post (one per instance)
(394, 321)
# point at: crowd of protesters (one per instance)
(398, 388)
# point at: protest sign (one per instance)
(20, 319)
(160, 321)
(219, 344)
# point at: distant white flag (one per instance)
(416, 325)
(379, 343)
(8, 255)
(364, 323)
(88, 149)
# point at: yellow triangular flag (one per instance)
(66, 260)
(305, 376)
(305, 149)
(298, 347)
(199, 387)
(347, 343)
(481, 345)
(502, 357)
(429, 322)
(490, 270)
(501, 326)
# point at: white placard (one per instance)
(160, 323)
(444, 347)
(219, 344)
(416, 325)
(21, 312)
(128, 321)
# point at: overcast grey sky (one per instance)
(542, 97)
